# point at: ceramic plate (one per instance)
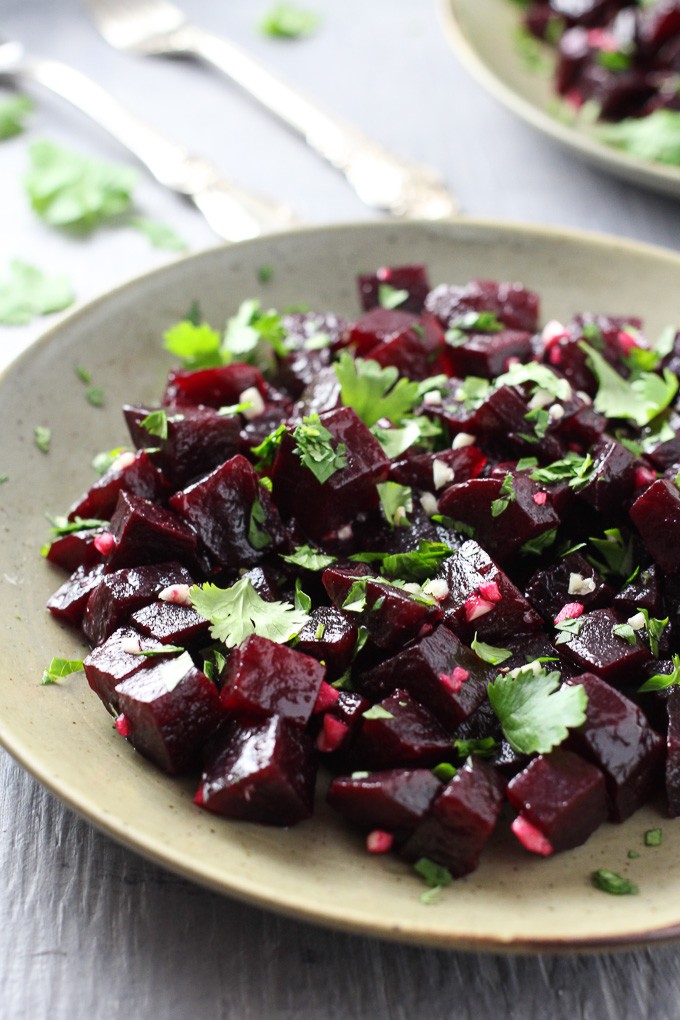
(317, 871)
(483, 35)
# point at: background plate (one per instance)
(482, 34)
(317, 871)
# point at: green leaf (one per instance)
(13, 114)
(42, 437)
(660, 681)
(435, 876)
(67, 189)
(445, 771)
(302, 601)
(254, 336)
(374, 391)
(238, 611)
(265, 273)
(655, 629)
(396, 501)
(616, 552)
(569, 628)
(95, 396)
(60, 668)
(569, 467)
(538, 545)
(266, 451)
(156, 423)
(506, 496)
(314, 446)
(625, 632)
(390, 297)
(27, 292)
(308, 558)
(612, 883)
(653, 837)
(535, 713)
(482, 747)
(288, 21)
(104, 460)
(655, 138)
(540, 375)
(160, 235)
(473, 391)
(417, 566)
(639, 399)
(61, 526)
(488, 653)
(377, 712)
(154, 653)
(258, 536)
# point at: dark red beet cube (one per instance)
(393, 801)
(412, 278)
(439, 671)
(261, 770)
(399, 731)
(597, 649)
(512, 303)
(170, 710)
(263, 677)
(77, 549)
(612, 477)
(673, 753)
(617, 738)
(643, 592)
(456, 828)
(521, 520)
(380, 326)
(331, 637)
(487, 355)
(119, 595)
(147, 533)
(432, 471)
(415, 351)
(571, 579)
(171, 624)
(135, 473)
(393, 616)
(113, 661)
(213, 387)
(232, 514)
(656, 515)
(560, 795)
(323, 508)
(69, 601)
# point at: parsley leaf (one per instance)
(60, 668)
(488, 653)
(535, 713)
(67, 189)
(287, 21)
(506, 496)
(13, 113)
(315, 450)
(156, 423)
(639, 398)
(27, 292)
(396, 501)
(418, 565)
(239, 611)
(160, 235)
(542, 377)
(308, 558)
(660, 681)
(375, 391)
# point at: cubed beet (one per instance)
(394, 800)
(656, 515)
(76, 549)
(135, 473)
(331, 637)
(69, 601)
(212, 387)
(512, 303)
(410, 278)
(117, 596)
(171, 624)
(598, 649)
(400, 732)
(113, 661)
(147, 533)
(571, 579)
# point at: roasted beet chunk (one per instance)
(130, 472)
(77, 549)
(656, 515)
(263, 677)
(324, 507)
(598, 648)
(571, 579)
(611, 478)
(170, 623)
(232, 514)
(146, 533)
(618, 740)
(393, 801)
(513, 304)
(561, 801)
(213, 387)
(486, 354)
(260, 770)
(69, 601)
(168, 711)
(456, 828)
(115, 660)
(331, 637)
(399, 731)
(439, 672)
(119, 595)
(411, 280)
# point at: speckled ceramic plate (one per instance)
(483, 35)
(317, 871)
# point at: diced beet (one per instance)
(432, 471)
(643, 592)
(416, 352)
(467, 612)
(656, 515)
(458, 825)
(171, 624)
(263, 677)
(170, 709)
(673, 753)
(487, 355)
(322, 508)
(512, 303)
(77, 549)
(597, 649)
(571, 578)
(117, 596)
(438, 671)
(562, 795)
(618, 740)
(331, 637)
(612, 477)
(135, 473)
(199, 440)
(111, 662)
(338, 580)
(394, 800)
(261, 770)
(411, 278)
(321, 393)
(213, 387)
(232, 514)
(70, 599)
(400, 732)
(147, 533)
(380, 326)
(521, 520)
(394, 617)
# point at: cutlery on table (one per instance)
(381, 179)
(234, 214)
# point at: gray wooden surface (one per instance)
(88, 929)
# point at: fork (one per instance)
(381, 179)
(234, 214)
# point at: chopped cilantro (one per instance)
(506, 496)
(526, 463)
(160, 235)
(535, 712)
(538, 545)
(444, 771)
(639, 398)
(104, 460)
(239, 611)
(314, 447)
(152, 653)
(42, 437)
(3, 479)
(196, 344)
(653, 837)
(569, 628)
(435, 876)
(156, 423)
(27, 292)
(13, 114)
(616, 552)
(67, 189)
(390, 297)
(258, 536)
(301, 600)
(625, 632)
(288, 21)
(396, 501)
(482, 747)
(540, 375)
(632, 855)
(532, 53)
(418, 565)
(82, 374)
(614, 60)
(214, 663)
(541, 419)
(655, 137)
(308, 558)
(265, 274)
(655, 629)
(374, 391)
(609, 882)
(573, 468)
(266, 451)
(60, 668)
(488, 653)
(95, 396)
(377, 712)
(660, 681)
(473, 391)
(60, 526)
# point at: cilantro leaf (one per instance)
(60, 668)
(488, 653)
(160, 235)
(506, 496)
(13, 113)
(258, 536)
(396, 501)
(196, 344)
(377, 712)
(104, 460)
(625, 632)
(156, 423)
(288, 21)
(267, 449)
(535, 713)
(482, 747)
(254, 336)
(60, 526)
(375, 391)
(609, 882)
(655, 629)
(42, 437)
(314, 447)
(27, 292)
(308, 558)
(238, 611)
(390, 297)
(655, 138)
(617, 554)
(660, 681)
(67, 189)
(640, 398)
(540, 375)
(435, 876)
(418, 565)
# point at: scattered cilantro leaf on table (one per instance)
(160, 235)
(26, 292)
(68, 189)
(13, 114)
(535, 713)
(288, 21)
(238, 611)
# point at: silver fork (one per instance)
(233, 214)
(381, 179)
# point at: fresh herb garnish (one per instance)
(540, 375)
(156, 423)
(196, 344)
(660, 681)
(569, 628)
(314, 446)
(377, 712)
(625, 632)
(288, 21)
(27, 292)
(418, 565)
(268, 448)
(258, 536)
(506, 496)
(238, 611)
(301, 599)
(488, 653)
(609, 882)
(639, 398)
(308, 558)
(482, 747)
(42, 437)
(534, 711)
(60, 668)
(655, 629)
(153, 653)
(390, 297)
(159, 234)
(572, 468)
(374, 391)
(435, 876)
(654, 137)
(101, 462)
(396, 501)
(445, 771)
(13, 114)
(254, 336)
(616, 552)
(653, 837)
(60, 526)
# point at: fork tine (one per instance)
(141, 26)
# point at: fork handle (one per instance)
(381, 179)
(233, 213)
